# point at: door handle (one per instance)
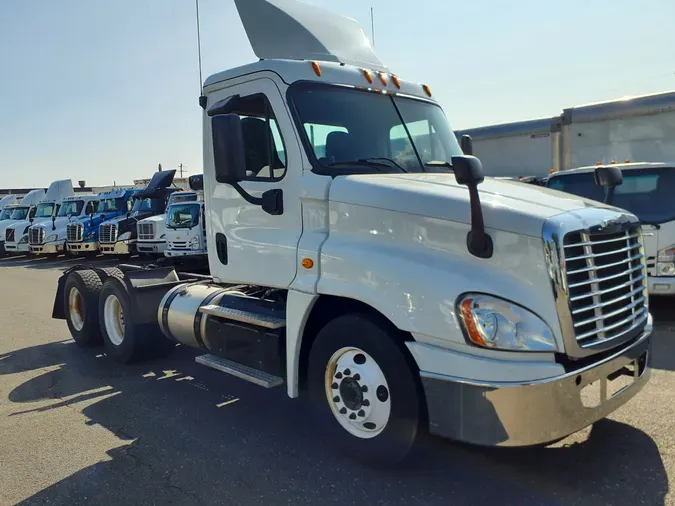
(221, 248)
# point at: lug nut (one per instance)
(343, 411)
(336, 399)
(364, 388)
(338, 375)
(361, 413)
(347, 372)
(334, 386)
(357, 376)
(352, 416)
(366, 403)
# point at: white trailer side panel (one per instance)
(644, 138)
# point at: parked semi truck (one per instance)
(82, 235)
(16, 235)
(647, 192)
(151, 232)
(50, 238)
(15, 213)
(639, 129)
(117, 236)
(386, 288)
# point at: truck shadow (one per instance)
(190, 435)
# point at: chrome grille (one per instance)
(179, 245)
(146, 231)
(74, 232)
(606, 284)
(36, 236)
(107, 233)
(9, 235)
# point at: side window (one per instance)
(91, 207)
(318, 136)
(263, 145)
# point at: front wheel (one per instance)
(364, 390)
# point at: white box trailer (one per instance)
(369, 272)
(638, 129)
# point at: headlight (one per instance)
(496, 323)
(24, 240)
(124, 236)
(53, 237)
(195, 242)
(666, 262)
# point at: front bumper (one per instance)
(184, 253)
(13, 247)
(53, 248)
(118, 248)
(535, 412)
(82, 247)
(661, 285)
(151, 246)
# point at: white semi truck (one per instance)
(186, 230)
(16, 235)
(15, 213)
(50, 238)
(370, 274)
(151, 232)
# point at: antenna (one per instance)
(202, 99)
(372, 25)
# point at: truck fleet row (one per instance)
(116, 222)
(355, 260)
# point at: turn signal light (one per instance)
(368, 76)
(396, 82)
(317, 69)
(426, 89)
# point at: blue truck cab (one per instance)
(82, 234)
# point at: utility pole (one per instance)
(181, 169)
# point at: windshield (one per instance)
(107, 205)
(6, 213)
(154, 205)
(384, 132)
(45, 210)
(71, 208)
(645, 193)
(183, 216)
(19, 213)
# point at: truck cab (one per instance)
(6, 201)
(15, 213)
(646, 192)
(118, 235)
(360, 258)
(50, 238)
(151, 232)
(16, 236)
(186, 230)
(82, 235)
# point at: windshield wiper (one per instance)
(439, 163)
(369, 162)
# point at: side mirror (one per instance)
(228, 148)
(54, 222)
(129, 206)
(608, 177)
(196, 182)
(469, 172)
(466, 144)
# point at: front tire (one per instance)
(81, 294)
(364, 390)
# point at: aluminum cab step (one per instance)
(228, 313)
(240, 371)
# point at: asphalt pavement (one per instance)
(76, 428)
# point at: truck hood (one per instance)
(155, 219)
(510, 206)
(20, 225)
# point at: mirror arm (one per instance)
(610, 195)
(478, 241)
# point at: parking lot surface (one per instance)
(76, 428)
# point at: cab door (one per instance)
(247, 244)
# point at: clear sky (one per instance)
(103, 90)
